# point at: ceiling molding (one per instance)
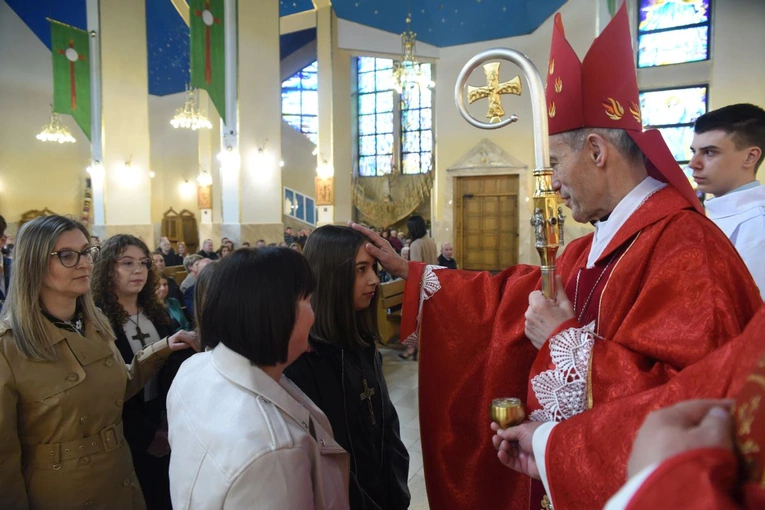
(183, 9)
(297, 22)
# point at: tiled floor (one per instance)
(401, 377)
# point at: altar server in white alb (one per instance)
(727, 151)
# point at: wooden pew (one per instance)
(178, 273)
(389, 310)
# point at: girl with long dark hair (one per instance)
(124, 287)
(342, 372)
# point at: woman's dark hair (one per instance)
(251, 304)
(416, 227)
(103, 283)
(201, 290)
(331, 252)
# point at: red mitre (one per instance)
(602, 92)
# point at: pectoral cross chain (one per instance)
(367, 395)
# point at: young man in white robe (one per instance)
(727, 147)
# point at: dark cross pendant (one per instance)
(367, 395)
(140, 335)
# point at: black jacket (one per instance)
(334, 379)
(142, 419)
(7, 263)
(171, 258)
(447, 263)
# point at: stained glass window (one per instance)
(300, 101)
(393, 130)
(673, 32)
(375, 116)
(417, 128)
(673, 112)
(300, 206)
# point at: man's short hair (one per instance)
(3, 226)
(743, 122)
(252, 303)
(189, 261)
(619, 138)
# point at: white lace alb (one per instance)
(562, 391)
(429, 286)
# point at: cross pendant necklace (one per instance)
(367, 395)
(139, 335)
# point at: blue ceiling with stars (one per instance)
(450, 22)
(437, 22)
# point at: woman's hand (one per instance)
(183, 340)
(381, 249)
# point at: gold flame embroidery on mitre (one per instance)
(613, 109)
(552, 66)
(635, 111)
(551, 110)
(558, 84)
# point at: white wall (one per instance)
(33, 174)
(735, 73)
(455, 137)
(174, 159)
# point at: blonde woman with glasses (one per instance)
(63, 381)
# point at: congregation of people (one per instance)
(257, 380)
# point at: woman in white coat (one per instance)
(242, 435)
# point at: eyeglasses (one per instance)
(70, 258)
(132, 264)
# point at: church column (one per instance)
(259, 121)
(125, 120)
(96, 144)
(209, 141)
(334, 166)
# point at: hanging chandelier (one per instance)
(189, 116)
(407, 74)
(54, 131)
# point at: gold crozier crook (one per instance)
(547, 217)
(494, 91)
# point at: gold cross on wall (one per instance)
(367, 395)
(494, 90)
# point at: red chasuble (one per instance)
(675, 291)
(715, 478)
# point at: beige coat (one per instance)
(61, 443)
(423, 250)
(242, 440)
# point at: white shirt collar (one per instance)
(606, 230)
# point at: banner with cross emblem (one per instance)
(71, 73)
(207, 50)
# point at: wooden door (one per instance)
(486, 222)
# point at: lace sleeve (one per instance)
(562, 391)
(429, 286)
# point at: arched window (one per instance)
(672, 32)
(300, 101)
(392, 130)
